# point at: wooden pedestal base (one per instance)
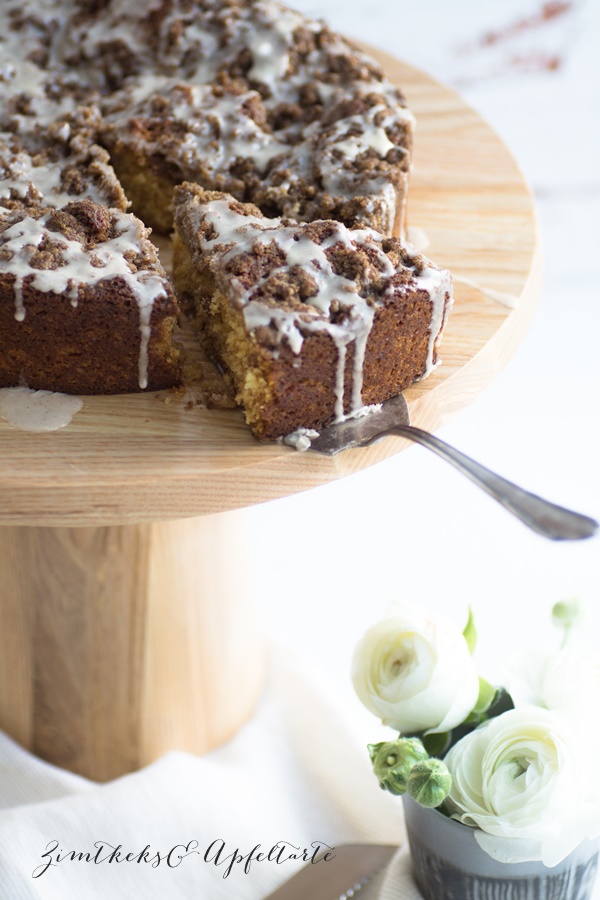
(120, 643)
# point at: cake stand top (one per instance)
(144, 457)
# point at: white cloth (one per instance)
(396, 883)
(295, 773)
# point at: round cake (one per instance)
(117, 103)
(245, 97)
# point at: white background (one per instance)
(330, 561)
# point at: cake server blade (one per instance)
(545, 518)
(342, 876)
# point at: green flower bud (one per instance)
(393, 761)
(567, 613)
(429, 782)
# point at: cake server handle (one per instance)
(545, 518)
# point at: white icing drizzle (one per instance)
(440, 293)
(269, 46)
(82, 266)
(300, 439)
(363, 133)
(383, 200)
(121, 20)
(373, 138)
(37, 410)
(238, 234)
(339, 375)
(22, 77)
(510, 301)
(198, 40)
(41, 183)
(219, 128)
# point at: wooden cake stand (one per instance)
(127, 626)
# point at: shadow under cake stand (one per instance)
(127, 624)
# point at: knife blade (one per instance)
(545, 518)
(347, 871)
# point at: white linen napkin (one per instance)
(295, 773)
(395, 883)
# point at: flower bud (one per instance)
(567, 613)
(429, 782)
(393, 761)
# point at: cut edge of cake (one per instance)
(311, 321)
(85, 281)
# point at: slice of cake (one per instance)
(311, 321)
(85, 306)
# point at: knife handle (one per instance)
(545, 518)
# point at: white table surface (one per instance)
(329, 562)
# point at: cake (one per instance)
(250, 98)
(85, 306)
(110, 105)
(312, 321)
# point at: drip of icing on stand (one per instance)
(37, 410)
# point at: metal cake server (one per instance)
(340, 878)
(548, 519)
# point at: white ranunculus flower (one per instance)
(524, 779)
(415, 673)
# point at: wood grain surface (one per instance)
(120, 643)
(143, 458)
